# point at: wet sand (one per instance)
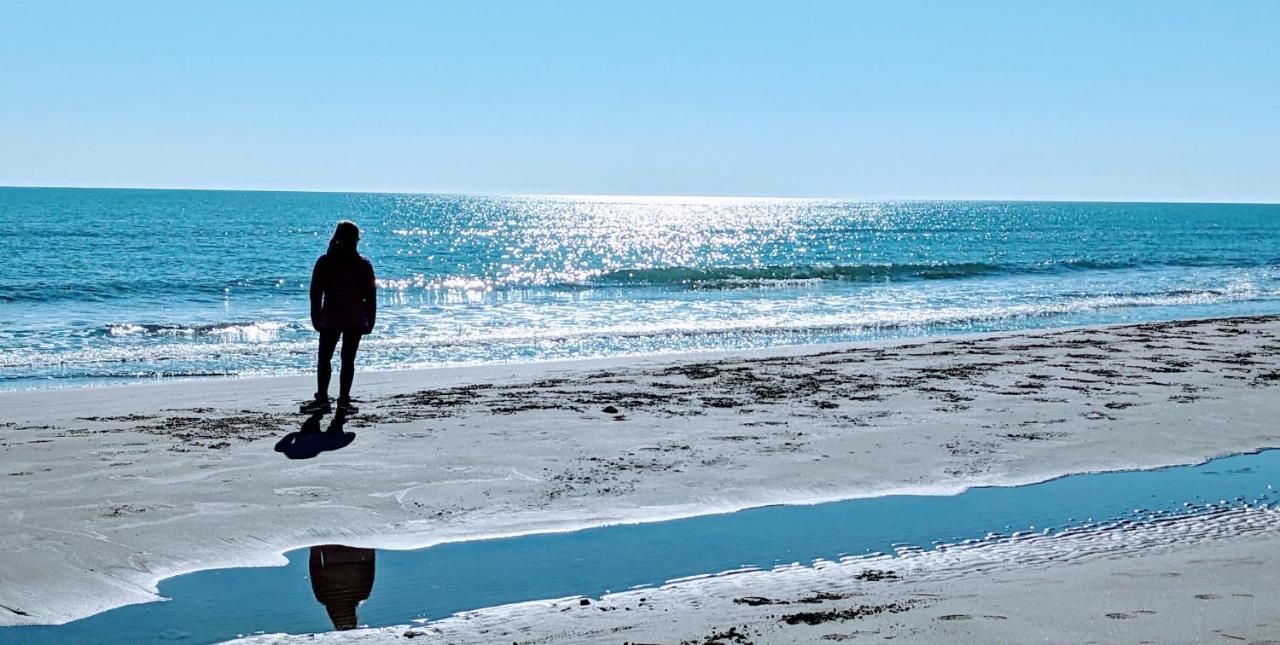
(108, 490)
(1209, 579)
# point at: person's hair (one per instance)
(345, 237)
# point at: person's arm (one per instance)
(317, 294)
(371, 299)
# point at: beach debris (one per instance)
(16, 611)
(877, 575)
(852, 613)
(214, 432)
(724, 637)
(126, 417)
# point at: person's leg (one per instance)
(350, 344)
(324, 370)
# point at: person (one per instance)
(344, 305)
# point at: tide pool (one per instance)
(438, 581)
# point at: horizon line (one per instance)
(655, 196)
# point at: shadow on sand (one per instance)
(310, 441)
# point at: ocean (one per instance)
(103, 286)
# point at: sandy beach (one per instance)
(695, 323)
(108, 490)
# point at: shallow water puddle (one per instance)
(335, 586)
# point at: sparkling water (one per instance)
(108, 285)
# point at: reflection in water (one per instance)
(309, 441)
(341, 577)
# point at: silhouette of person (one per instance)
(344, 304)
(341, 578)
(309, 441)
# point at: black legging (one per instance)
(328, 342)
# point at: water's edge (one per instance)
(635, 359)
(533, 565)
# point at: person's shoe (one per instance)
(345, 407)
(318, 406)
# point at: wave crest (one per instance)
(849, 273)
(240, 331)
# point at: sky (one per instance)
(1116, 100)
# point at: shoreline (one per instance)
(529, 497)
(620, 360)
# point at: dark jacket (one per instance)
(343, 293)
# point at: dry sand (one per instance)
(108, 490)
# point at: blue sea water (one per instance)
(108, 285)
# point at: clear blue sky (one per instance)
(1157, 100)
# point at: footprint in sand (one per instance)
(1207, 596)
(1119, 616)
(955, 617)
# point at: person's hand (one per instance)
(368, 329)
(315, 323)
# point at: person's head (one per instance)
(345, 237)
